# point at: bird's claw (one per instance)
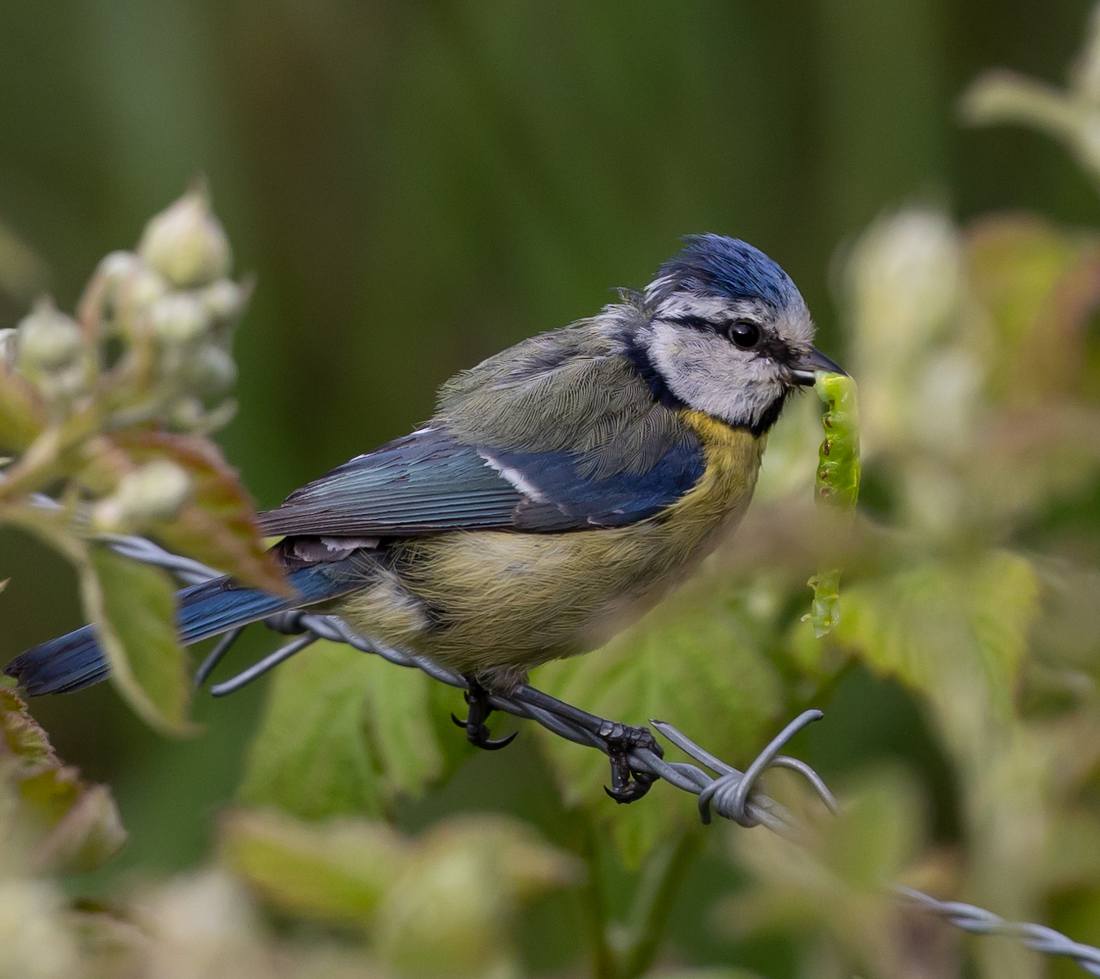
(477, 700)
(627, 784)
(478, 735)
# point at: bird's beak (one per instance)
(807, 366)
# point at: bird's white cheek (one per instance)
(707, 373)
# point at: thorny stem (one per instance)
(631, 955)
(660, 880)
(45, 459)
(604, 965)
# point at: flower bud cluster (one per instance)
(154, 333)
(172, 302)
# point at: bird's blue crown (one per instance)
(716, 265)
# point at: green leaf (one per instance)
(452, 911)
(59, 822)
(438, 905)
(956, 630)
(133, 607)
(840, 876)
(346, 732)
(702, 662)
(21, 413)
(715, 972)
(217, 525)
(310, 756)
(338, 872)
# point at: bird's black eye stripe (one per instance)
(742, 333)
(695, 322)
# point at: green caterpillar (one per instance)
(837, 483)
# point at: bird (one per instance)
(561, 489)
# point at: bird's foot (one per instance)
(627, 784)
(478, 711)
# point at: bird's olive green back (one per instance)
(569, 390)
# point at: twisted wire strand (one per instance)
(729, 793)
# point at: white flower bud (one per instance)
(187, 414)
(210, 372)
(145, 287)
(67, 383)
(904, 276)
(117, 266)
(905, 291)
(48, 340)
(152, 493)
(224, 300)
(127, 288)
(9, 340)
(186, 243)
(179, 318)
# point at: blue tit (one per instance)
(561, 488)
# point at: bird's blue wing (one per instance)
(430, 482)
(560, 498)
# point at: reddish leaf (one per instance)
(1041, 287)
(218, 524)
(61, 822)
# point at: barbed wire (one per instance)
(728, 792)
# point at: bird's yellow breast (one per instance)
(500, 602)
(732, 463)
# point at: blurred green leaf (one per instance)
(339, 871)
(439, 905)
(946, 625)
(345, 732)
(87, 830)
(217, 524)
(21, 413)
(453, 909)
(310, 756)
(838, 880)
(878, 832)
(23, 738)
(61, 823)
(717, 972)
(133, 607)
(408, 728)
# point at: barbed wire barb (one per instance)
(730, 793)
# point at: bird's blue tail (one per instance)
(76, 660)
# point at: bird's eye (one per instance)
(744, 334)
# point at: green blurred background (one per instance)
(417, 185)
